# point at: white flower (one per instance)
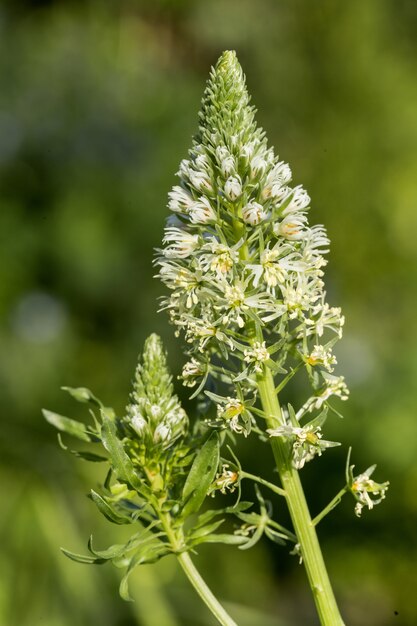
(191, 370)
(307, 442)
(183, 245)
(226, 480)
(275, 186)
(253, 213)
(179, 200)
(162, 433)
(291, 227)
(227, 166)
(323, 316)
(366, 491)
(257, 354)
(201, 212)
(275, 265)
(139, 424)
(246, 152)
(232, 408)
(321, 356)
(233, 188)
(257, 166)
(334, 386)
(219, 258)
(200, 181)
(299, 200)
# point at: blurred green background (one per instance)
(98, 103)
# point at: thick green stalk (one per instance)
(203, 590)
(177, 542)
(306, 533)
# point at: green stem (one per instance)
(330, 506)
(176, 540)
(203, 590)
(261, 481)
(306, 533)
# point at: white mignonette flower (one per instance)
(306, 441)
(291, 227)
(139, 424)
(232, 408)
(275, 186)
(246, 152)
(299, 200)
(257, 166)
(183, 245)
(162, 433)
(257, 355)
(191, 370)
(321, 356)
(227, 480)
(179, 200)
(228, 166)
(324, 316)
(335, 386)
(201, 212)
(202, 162)
(275, 265)
(254, 213)
(366, 491)
(200, 181)
(219, 258)
(233, 188)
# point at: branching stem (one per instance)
(176, 540)
(332, 504)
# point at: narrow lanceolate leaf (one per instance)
(110, 512)
(81, 558)
(121, 463)
(69, 426)
(202, 474)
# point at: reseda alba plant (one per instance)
(245, 274)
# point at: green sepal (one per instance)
(69, 426)
(201, 475)
(108, 511)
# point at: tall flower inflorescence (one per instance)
(245, 268)
(245, 272)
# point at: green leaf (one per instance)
(82, 394)
(82, 454)
(108, 511)
(67, 425)
(208, 529)
(201, 475)
(80, 558)
(151, 554)
(122, 465)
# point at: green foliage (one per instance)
(148, 483)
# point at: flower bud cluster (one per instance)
(155, 413)
(243, 266)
